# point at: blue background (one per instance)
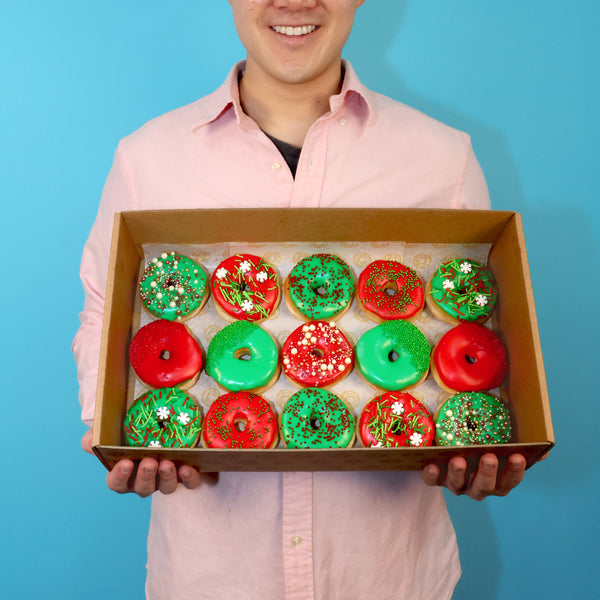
(76, 76)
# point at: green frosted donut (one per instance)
(472, 418)
(242, 356)
(316, 418)
(464, 290)
(320, 286)
(393, 356)
(163, 418)
(173, 286)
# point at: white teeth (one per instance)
(287, 30)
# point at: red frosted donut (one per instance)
(317, 354)
(164, 354)
(240, 420)
(390, 290)
(395, 420)
(469, 358)
(245, 287)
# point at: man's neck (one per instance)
(286, 111)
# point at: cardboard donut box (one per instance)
(524, 388)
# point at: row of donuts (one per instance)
(392, 356)
(318, 287)
(313, 418)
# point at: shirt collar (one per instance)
(211, 108)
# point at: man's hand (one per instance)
(484, 482)
(150, 476)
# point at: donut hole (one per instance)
(243, 354)
(315, 423)
(245, 287)
(164, 355)
(390, 289)
(317, 352)
(240, 424)
(171, 282)
(470, 424)
(321, 290)
(470, 359)
(393, 356)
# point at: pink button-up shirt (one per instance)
(324, 536)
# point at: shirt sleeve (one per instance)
(117, 196)
(474, 191)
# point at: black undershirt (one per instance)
(290, 153)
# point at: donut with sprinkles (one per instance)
(173, 287)
(462, 290)
(317, 354)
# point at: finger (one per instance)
(512, 475)
(189, 477)
(167, 477)
(455, 478)
(484, 482)
(431, 475)
(145, 479)
(118, 479)
(86, 441)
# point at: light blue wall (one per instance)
(520, 76)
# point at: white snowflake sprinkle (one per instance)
(183, 418)
(262, 276)
(221, 273)
(377, 445)
(245, 266)
(247, 305)
(466, 267)
(162, 413)
(397, 408)
(154, 444)
(481, 300)
(416, 439)
(448, 284)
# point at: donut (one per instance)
(317, 354)
(469, 358)
(395, 420)
(164, 354)
(316, 418)
(243, 356)
(462, 290)
(393, 355)
(163, 418)
(319, 287)
(173, 286)
(472, 418)
(240, 420)
(245, 287)
(389, 290)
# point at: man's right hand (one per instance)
(150, 475)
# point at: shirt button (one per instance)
(275, 166)
(296, 540)
(343, 122)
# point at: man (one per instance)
(293, 126)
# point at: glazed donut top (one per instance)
(464, 289)
(242, 356)
(316, 418)
(395, 420)
(164, 354)
(321, 286)
(470, 358)
(223, 423)
(172, 286)
(472, 418)
(246, 287)
(317, 354)
(390, 290)
(393, 355)
(166, 417)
